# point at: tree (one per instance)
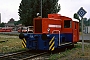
(11, 20)
(50, 6)
(28, 9)
(76, 16)
(2, 24)
(17, 22)
(89, 22)
(85, 22)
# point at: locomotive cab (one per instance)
(50, 33)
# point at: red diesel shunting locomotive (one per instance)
(52, 32)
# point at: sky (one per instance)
(9, 8)
(69, 7)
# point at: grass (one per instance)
(10, 44)
(73, 54)
(14, 44)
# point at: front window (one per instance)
(67, 23)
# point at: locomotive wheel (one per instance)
(44, 37)
(21, 35)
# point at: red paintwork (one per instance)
(75, 31)
(56, 16)
(57, 20)
(5, 30)
(65, 30)
(46, 23)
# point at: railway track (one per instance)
(25, 55)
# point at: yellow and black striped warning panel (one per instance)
(23, 43)
(52, 44)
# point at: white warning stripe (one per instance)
(55, 26)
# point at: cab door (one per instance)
(75, 31)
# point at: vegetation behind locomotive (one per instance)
(52, 32)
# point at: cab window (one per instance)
(67, 23)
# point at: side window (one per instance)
(67, 24)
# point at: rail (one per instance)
(59, 35)
(33, 56)
(25, 55)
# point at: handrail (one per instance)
(59, 35)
